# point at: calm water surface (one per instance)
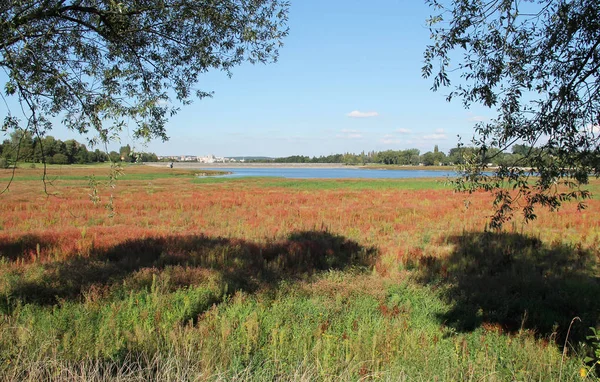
(333, 173)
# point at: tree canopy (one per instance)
(101, 64)
(537, 64)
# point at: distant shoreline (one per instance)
(197, 166)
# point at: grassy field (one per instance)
(173, 277)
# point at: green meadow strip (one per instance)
(327, 334)
(331, 184)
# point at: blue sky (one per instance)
(348, 79)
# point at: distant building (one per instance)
(192, 158)
(214, 159)
(207, 159)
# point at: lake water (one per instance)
(333, 173)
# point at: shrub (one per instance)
(4, 163)
(60, 159)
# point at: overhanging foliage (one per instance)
(537, 63)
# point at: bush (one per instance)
(4, 163)
(60, 159)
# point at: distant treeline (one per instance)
(23, 147)
(413, 157)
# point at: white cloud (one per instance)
(438, 134)
(362, 114)
(349, 134)
(434, 137)
(594, 129)
(390, 141)
(162, 102)
(404, 131)
(477, 118)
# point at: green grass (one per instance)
(103, 176)
(275, 334)
(331, 184)
(212, 309)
